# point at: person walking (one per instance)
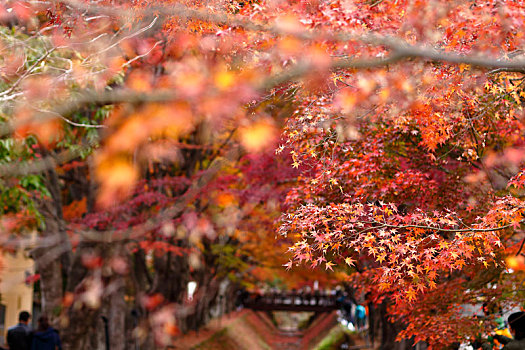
(45, 337)
(19, 336)
(360, 315)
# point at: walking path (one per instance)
(252, 330)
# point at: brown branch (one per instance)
(107, 97)
(401, 48)
(370, 229)
(41, 165)
(376, 3)
(521, 247)
(162, 96)
(439, 229)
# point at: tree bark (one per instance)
(48, 263)
(389, 331)
(142, 284)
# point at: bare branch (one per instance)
(138, 32)
(103, 98)
(26, 73)
(41, 165)
(376, 3)
(82, 125)
(141, 56)
(521, 247)
(439, 229)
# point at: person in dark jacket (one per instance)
(46, 337)
(517, 327)
(19, 336)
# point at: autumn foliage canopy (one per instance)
(380, 140)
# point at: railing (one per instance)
(291, 301)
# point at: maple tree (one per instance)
(124, 128)
(410, 183)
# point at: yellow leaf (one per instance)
(349, 261)
(258, 136)
(224, 79)
(381, 257)
(464, 67)
(117, 178)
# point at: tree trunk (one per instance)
(53, 254)
(171, 276)
(114, 310)
(142, 283)
(86, 328)
(117, 312)
(48, 263)
(206, 295)
(389, 331)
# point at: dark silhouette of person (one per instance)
(517, 327)
(45, 337)
(19, 336)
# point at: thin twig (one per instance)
(26, 73)
(141, 56)
(82, 125)
(521, 247)
(138, 32)
(376, 3)
(439, 228)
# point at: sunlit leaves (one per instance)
(404, 252)
(406, 247)
(258, 136)
(349, 261)
(224, 79)
(399, 157)
(48, 133)
(117, 177)
(154, 121)
(516, 262)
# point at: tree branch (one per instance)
(439, 228)
(401, 48)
